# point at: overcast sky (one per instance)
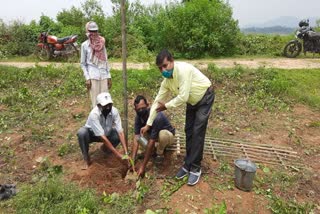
(246, 11)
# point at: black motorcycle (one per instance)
(310, 41)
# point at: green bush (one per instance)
(191, 29)
(262, 44)
(17, 39)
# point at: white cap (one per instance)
(92, 26)
(104, 98)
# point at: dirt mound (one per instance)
(105, 174)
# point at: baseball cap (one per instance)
(104, 98)
(92, 26)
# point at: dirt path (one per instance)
(283, 63)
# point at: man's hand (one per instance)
(144, 129)
(161, 107)
(141, 171)
(109, 83)
(88, 84)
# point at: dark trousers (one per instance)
(86, 136)
(196, 124)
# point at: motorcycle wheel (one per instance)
(43, 53)
(75, 56)
(292, 49)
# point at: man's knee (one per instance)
(166, 137)
(114, 138)
(82, 132)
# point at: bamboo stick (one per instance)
(263, 147)
(254, 149)
(250, 154)
(238, 149)
(272, 154)
(255, 160)
(242, 142)
(207, 138)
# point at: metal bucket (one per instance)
(143, 141)
(244, 172)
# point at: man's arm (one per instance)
(147, 156)
(84, 66)
(83, 61)
(135, 147)
(162, 95)
(118, 127)
(110, 146)
(123, 142)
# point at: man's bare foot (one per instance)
(85, 165)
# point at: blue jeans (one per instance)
(86, 136)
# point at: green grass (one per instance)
(30, 58)
(304, 85)
(33, 100)
(274, 182)
(54, 196)
(281, 206)
(270, 88)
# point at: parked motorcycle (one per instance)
(306, 40)
(50, 46)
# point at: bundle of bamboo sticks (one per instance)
(260, 153)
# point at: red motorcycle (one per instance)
(51, 46)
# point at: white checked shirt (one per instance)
(101, 125)
(91, 71)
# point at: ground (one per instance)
(292, 129)
(283, 63)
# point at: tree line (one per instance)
(190, 29)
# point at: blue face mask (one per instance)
(167, 73)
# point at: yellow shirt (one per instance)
(188, 85)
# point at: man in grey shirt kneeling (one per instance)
(103, 125)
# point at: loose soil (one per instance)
(106, 174)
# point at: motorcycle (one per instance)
(50, 46)
(306, 40)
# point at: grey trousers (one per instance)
(195, 128)
(86, 136)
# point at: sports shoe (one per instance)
(158, 159)
(183, 172)
(194, 178)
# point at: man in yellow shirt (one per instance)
(192, 87)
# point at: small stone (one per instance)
(39, 159)
(311, 193)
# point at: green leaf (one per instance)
(149, 212)
(266, 170)
(125, 157)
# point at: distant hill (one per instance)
(269, 30)
(280, 25)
